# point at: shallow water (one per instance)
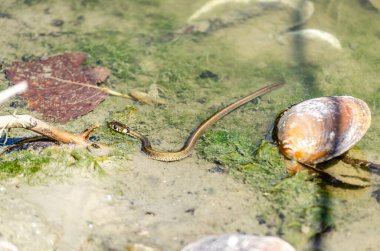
(226, 53)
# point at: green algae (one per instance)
(21, 164)
(119, 56)
(124, 114)
(140, 49)
(226, 147)
(31, 2)
(295, 202)
(299, 207)
(84, 159)
(51, 163)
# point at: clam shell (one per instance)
(314, 35)
(375, 3)
(216, 14)
(319, 129)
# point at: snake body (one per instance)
(188, 147)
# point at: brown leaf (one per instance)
(59, 87)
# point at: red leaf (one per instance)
(57, 85)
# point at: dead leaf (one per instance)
(60, 86)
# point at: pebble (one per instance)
(140, 247)
(57, 22)
(7, 246)
(239, 242)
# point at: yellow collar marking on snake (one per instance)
(187, 149)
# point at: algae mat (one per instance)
(67, 198)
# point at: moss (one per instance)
(267, 167)
(31, 2)
(124, 114)
(22, 163)
(11, 168)
(89, 2)
(295, 204)
(84, 159)
(161, 23)
(111, 52)
(154, 3)
(226, 147)
(50, 163)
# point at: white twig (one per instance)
(8, 93)
(39, 126)
(13, 90)
(17, 121)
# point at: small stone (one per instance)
(140, 247)
(94, 138)
(217, 169)
(206, 74)
(239, 242)
(190, 211)
(376, 195)
(260, 219)
(5, 15)
(18, 104)
(28, 57)
(79, 20)
(57, 22)
(7, 246)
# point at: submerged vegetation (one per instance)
(52, 163)
(24, 164)
(140, 45)
(298, 207)
(295, 202)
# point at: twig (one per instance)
(8, 93)
(106, 90)
(30, 123)
(38, 126)
(13, 90)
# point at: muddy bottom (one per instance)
(161, 205)
(65, 206)
(158, 204)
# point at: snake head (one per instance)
(119, 127)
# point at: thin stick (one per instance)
(13, 90)
(106, 90)
(38, 126)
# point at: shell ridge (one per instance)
(322, 128)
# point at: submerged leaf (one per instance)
(60, 87)
(150, 98)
